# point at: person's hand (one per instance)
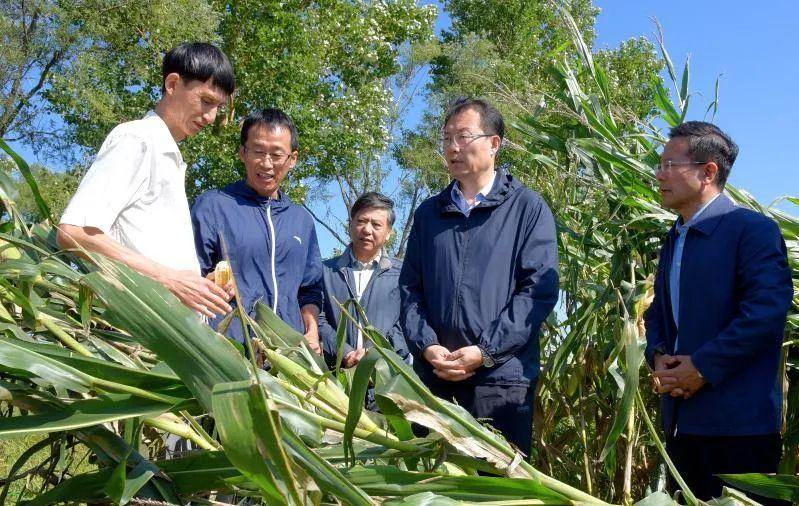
(228, 288)
(663, 362)
(458, 365)
(435, 352)
(682, 378)
(469, 358)
(352, 358)
(196, 292)
(312, 337)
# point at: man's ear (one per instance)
(711, 172)
(496, 142)
(170, 82)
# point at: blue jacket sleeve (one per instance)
(653, 318)
(397, 340)
(764, 281)
(536, 290)
(413, 310)
(206, 239)
(311, 287)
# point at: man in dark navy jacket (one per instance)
(365, 273)
(271, 241)
(479, 277)
(715, 328)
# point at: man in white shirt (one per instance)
(131, 205)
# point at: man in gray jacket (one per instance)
(365, 273)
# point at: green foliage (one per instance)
(56, 189)
(93, 62)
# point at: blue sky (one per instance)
(753, 47)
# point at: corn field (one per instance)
(99, 363)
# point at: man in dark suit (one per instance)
(715, 328)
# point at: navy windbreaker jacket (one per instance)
(489, 280)
(380, 300)
(735, 293)
(247, 221)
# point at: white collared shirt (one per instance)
(362, 272)
(135, 191)
(460, 200)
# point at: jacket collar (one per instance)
(344, 260)
(242, 189)
(711, 217)
(503, 184)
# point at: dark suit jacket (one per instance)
(380, 300)
(735, 292)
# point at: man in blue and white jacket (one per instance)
(271, 242)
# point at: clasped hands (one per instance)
(677, 376)
(455, 365)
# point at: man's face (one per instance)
(468, 155)
(369, 231)
(268, 158)
(681, 185)
(192, 104)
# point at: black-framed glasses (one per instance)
(461, 140)
(669, 165)
(273, 158)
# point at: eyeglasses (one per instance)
(460, 140)
(668, 165)
(262, 156)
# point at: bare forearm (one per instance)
(195, 292)
(96, 241)
(310, 316)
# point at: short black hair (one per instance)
(490, 118)
(708, 143)
(270, 118)
(374, 200)
(200, 61)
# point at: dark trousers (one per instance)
(507, 408)
(699, 458)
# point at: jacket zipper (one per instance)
(272, 234)
(455, 305)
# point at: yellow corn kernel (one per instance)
(222, 273)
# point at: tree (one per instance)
(71, 69)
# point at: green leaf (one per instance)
(391, 481)
(154, 317)
(634, 357)
(360, 385)
(81, 413)
(25, 170)
(779, 486)
(251, 439)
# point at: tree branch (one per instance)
(409, 220)
(327, 226)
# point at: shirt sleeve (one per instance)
(310, 291)
(536, 291)
(413, 308)
(118, 177)
(653, 318)
(766, 293)
(206, 237)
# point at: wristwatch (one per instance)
(488, 361)
(661, 349)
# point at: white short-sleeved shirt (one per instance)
(135, 192)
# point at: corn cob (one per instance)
(222, 273)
